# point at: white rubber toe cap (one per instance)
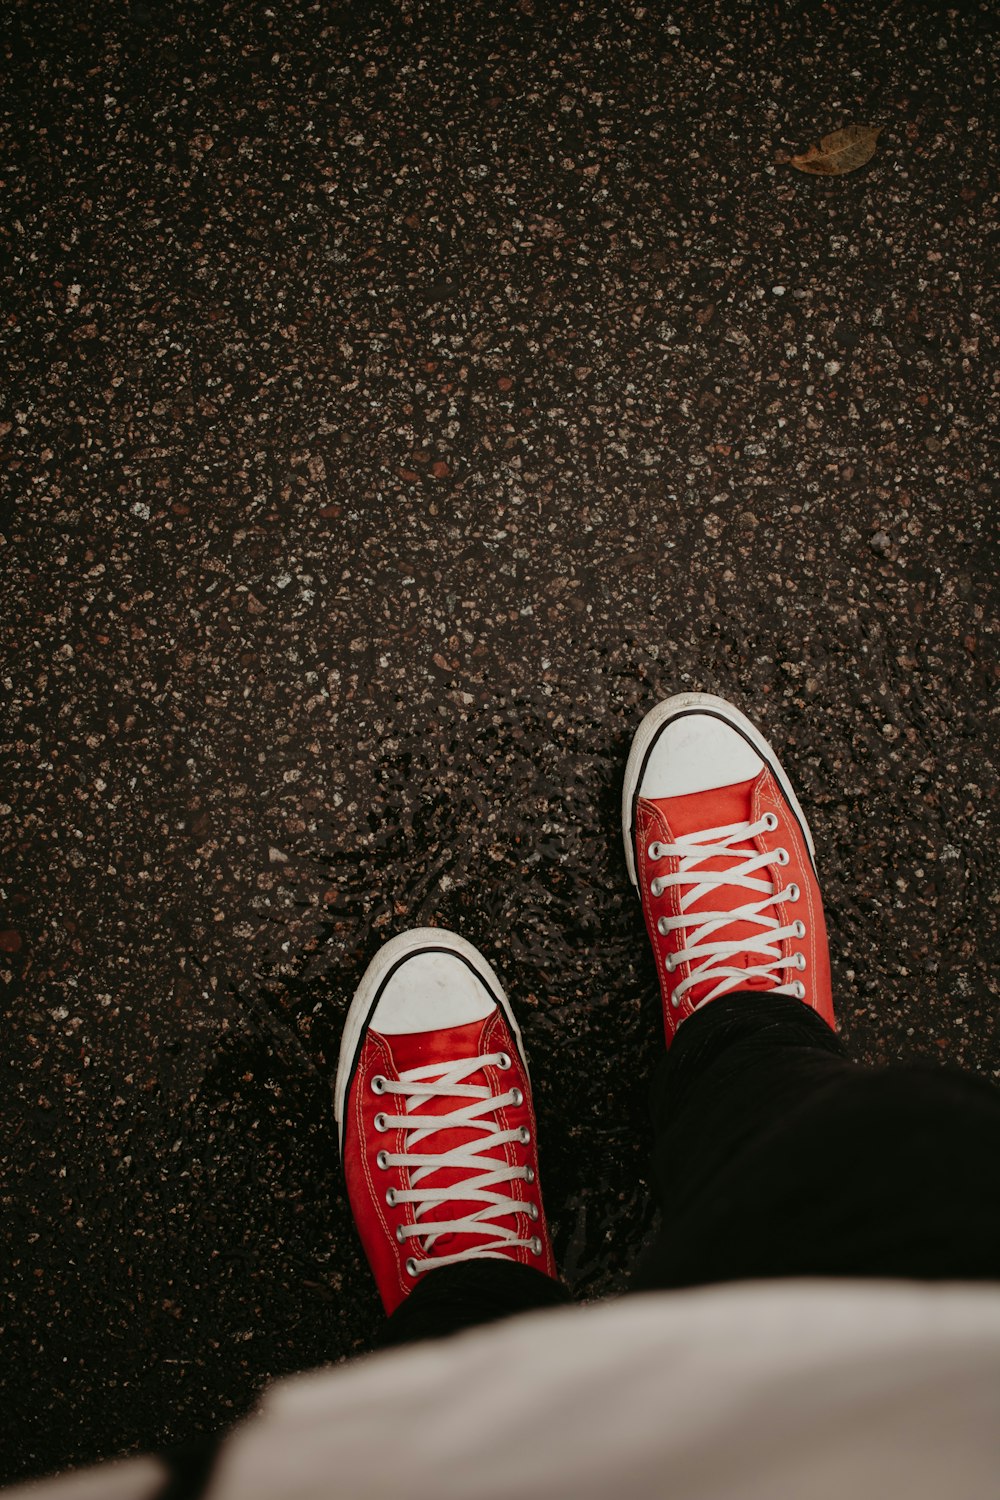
(429, 992)
(695, 742)
(696, 753)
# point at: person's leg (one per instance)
(467, 1295)
(437, 1136)
(773, 1155)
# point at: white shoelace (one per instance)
(708, 958)
(484, 1173)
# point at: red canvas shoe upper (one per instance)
(425, 1194)
(730, 897)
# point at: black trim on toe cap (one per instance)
(711, 713)
(430, 948)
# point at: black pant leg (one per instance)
(774, 1155)
(473, 1292)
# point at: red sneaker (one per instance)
(721, 854)
(437, 1132)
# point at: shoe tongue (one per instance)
(720, 808)
(449, 1045)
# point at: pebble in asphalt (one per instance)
(399, 401)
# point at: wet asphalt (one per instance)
(398, 401)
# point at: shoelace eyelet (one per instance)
(781, 857)
(770, 822)
(656, 887)
(800, 990)
(390, 1197)
(378, 1084)
(524, 1135)
(536, 1246)
(382, 1160)
(411, 1267)
(400, 1236)
(516, 1097)
(503, 1061)
(799, 929)
(379, 1122)
(653, 852)
(529, 1174)
(675, 1002)
(662, 927)
(800, 960)
(533, 1211)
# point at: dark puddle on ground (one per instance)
(535, 877)
(241, 1260)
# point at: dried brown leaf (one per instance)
(844, 151)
